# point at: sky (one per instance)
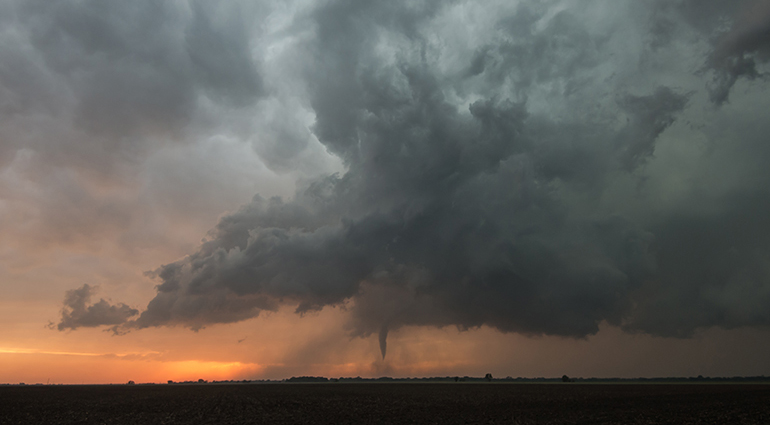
(260, 190)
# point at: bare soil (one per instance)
(394, 403)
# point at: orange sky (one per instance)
(283, 344)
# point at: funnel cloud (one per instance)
(383, 340)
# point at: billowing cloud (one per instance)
(105, 107)
(538, 168)
(136, 70)
(739, 50)
(79, 312)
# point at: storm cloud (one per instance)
(539, 168)
(78, 312)
(91, 83)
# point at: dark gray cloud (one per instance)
(741, 49)
(79, 312)
(95, 95)
(507, 177)
(107, 81)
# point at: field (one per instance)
(337, 403)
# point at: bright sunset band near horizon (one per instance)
(259, 190)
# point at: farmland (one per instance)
(373, 403)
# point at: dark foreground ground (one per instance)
(336, 403)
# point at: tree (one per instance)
(565, 378)
(488, 377)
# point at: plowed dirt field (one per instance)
(394, 403)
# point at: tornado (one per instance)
(383, 341)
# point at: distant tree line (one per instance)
(487, 378)
(307, 379)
